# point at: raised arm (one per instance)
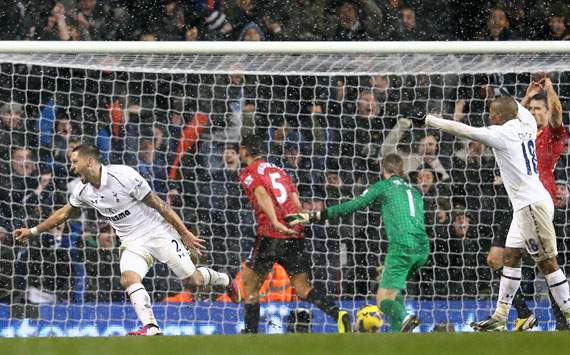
(554, 105)
(192, 242)
(55, 219)
(390, 144)
(483, 135)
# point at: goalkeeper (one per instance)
(402, 210)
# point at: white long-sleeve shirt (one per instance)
(513, 145)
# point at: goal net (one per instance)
(327, 119)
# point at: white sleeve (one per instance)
(138, 187)
(490, 136)
(75, 197)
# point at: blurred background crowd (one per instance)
(328, 132)
(284, 20)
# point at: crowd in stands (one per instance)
(283, 20)
(181, 132)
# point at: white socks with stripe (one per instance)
(560, 290)
(510, 282)
(141, 302)
(214, 278)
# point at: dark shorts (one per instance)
(289, 253)
(499, 240)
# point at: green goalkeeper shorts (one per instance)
(399, 267)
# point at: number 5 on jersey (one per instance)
(278, 186)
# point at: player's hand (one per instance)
(23, 234)
(283, 229)
(302, 218)
(193, 243)
(533, 89)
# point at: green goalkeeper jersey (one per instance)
(402, 210)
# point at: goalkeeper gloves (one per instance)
(303, 218)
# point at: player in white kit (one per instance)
(512, 137)
(147, 227)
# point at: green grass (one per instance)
(301, 344)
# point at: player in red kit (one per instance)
(544, 104)
(273, 196)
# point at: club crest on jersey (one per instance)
(248, 180)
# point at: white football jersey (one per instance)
(513, 145)
(119, 200)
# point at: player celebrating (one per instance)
(402, 210)
(273, 195)
(545, 106)
(512, 137)
(147, 227)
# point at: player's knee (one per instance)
(129, 278)
(548, 266)
(196, 279)
(511, 258)
(494, 262)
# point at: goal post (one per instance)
(328, 112)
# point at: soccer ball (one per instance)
(369, 319)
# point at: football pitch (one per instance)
(300, 344)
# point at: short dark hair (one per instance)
(254, 144)
(541, 96)
(506, 106)
(85, 150)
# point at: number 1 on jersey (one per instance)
(411, 203)
(279, 187)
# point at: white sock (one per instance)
(560, 290)
(510, 282)
(213, 278)
(141, 302)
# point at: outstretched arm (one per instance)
(192, 242)
(358, 203)
(483, 135)
(55, 219)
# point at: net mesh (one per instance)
(326, 119)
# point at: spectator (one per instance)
(349, 27)
(102, 274)
(12, 129)
(251, 32)
(92, 21)
(53, 26)
(429, 183)
(152, 170)
(410, 30)
(304, 20)
(171, 23)
(426, 149)
(557, 26)
(498, 26)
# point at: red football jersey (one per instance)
(279, 187)
(550, 143)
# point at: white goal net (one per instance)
(326, 118)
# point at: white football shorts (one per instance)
(163, 245)
(532, 229)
